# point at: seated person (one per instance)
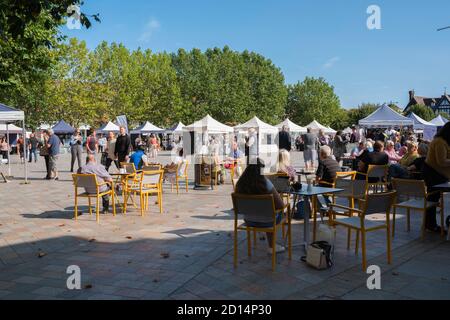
(413, 171)
(328, 167)
(392, 154)
(139, 158)
(411, 154)
(357, 151)
(170, 170)
(377, 157)
(284, 164)
(253, 182)
(91, 167)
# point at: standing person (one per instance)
(4, 148)
(44, 152)
(110, 149)
(284, 139)
(340, 146)
(310, 141)
(20, 144)
(92, 144)
(355, 136)
(123, 146)
(324, 139)
(33, 144)
(53, 144)
(76, 148)
(153, 146)
(436, 170)
(101, 143)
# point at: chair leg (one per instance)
(98, 210)
(141, 200)
(388, 244)
(90, 206)
(363, 250)
(249, 243)
(393, 221)
(160, 202)
(76, 206)
(357, 242)
(289, 239)
(274, 250)
(235, 255)
(177, 184)
(187, 185)
(113, 199)
(408, 220)
(255, 238)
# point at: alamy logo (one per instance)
(374, 19)
(74, 21)
(74, 280)
(374, 280)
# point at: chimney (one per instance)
(411, 95)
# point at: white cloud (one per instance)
(331, 62)
(149, 29)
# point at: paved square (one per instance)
(186, 252)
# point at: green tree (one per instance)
(313, 99)
(361, 112)
(422, 111)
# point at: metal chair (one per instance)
(413, 195)
(374, 203)
(89, 182)
(150, 183)
(376, 178)
(258, 209)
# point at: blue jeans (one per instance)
(32, 152)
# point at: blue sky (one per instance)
(327, 38)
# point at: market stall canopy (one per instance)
(257, 124)
(347, 130)
(439, 121)
(147, 128)
(385, 117)
(178, 128)
(8, 114)
(210, 125)
(315, 125)
(109, 127)
(63, 128)
(291, 126)
(13, 129)
(419, 123)
(330, 130)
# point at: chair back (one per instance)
(129, 167)
(280, 181)
(152, 167)
(379, 202)
(87, 181)
(254, 208)
(409, 189)
(152, 178)
(378, 171)
(359, 188)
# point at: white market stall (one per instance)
(385, 117)
(266, 147)
(439, 121)
(432, 129)
(292, 127)
(8, 116)
(109, 127)
(174, 135)
(419, 123)
(196, 139)
(146, 129)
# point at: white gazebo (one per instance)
(176, 129)
(147, 128)
(197, 134)
(419, 123)
(266, 147)
(315, 125)
(9, 115)
(109, 127)
(385, 117)
(292, 127)
(439, 121)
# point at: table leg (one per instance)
(306, 225)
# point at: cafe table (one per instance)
(123, 177)
(443, 188)
(311, 195)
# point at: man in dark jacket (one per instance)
(284, 139)
(123, 146)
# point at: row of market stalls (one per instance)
(384, 117)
